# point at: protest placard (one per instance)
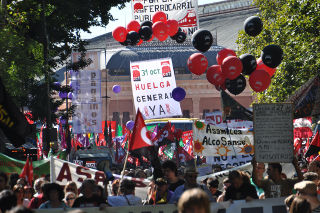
(273, 132)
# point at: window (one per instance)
(125, 118)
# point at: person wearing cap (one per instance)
(190, 177)
(308, 191)
(275, 185)
(170, 172)
(161, 193)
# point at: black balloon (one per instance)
(176, 35)
(272, 55)
(237, 85)
(249, 63)
(181, 37)
(145, 33)
(253, 26)
(133, 38)
(202, 40)
(146, 23)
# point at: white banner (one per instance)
(215, 118)
(63, 171)
(208, 140)
(152, 84)
(229, 161)
(183, 11)
(86, 86)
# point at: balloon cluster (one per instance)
(160, 27)
(230, 71)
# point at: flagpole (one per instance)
(124, 168)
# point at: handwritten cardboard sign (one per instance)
(273, 132)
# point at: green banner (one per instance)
(10, 165)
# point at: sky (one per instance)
(123, 17)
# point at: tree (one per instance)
(294, 25)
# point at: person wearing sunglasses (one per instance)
(190, 177)
(69, 199)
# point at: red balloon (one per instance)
(133, 26)
(259, 80)
(120, 34)
(172, 27)
(222, 54)
(140, 42)
(159, 16)
(197, 63)
(215, 76)
(160, 30)
(262, 66)
(231, 67)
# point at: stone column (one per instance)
(196, 107)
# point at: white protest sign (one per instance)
(229, 161)
(183, 11)
(215, 118)
(273, 132)
(208, 140)
(152, 84)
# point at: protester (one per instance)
(28, 195)
(39, 199)
(22, 182)
(213, 185)
(127, 195)
(71, 187)
(54, 195)
(161, 193)
(300, 205)
(194, 201)
(19, 193)
(115, 187)
(3, 181)
(7, 200)
(190, 176)
(226, 184)
(37, 186)
(314, 166)
(288, 201)
(170, 172)
(308, 191)
(89, 198)
(261, 168)
(240, 188)
(69, 199)
(275, 186)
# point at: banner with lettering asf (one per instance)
(183, 11)
(209, 140)
(152, 84)
(86, 85)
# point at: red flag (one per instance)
(297, 146)
(27, 172)
(140, 137)
(314, 147)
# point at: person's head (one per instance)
(115, 187)
(162, 185)
(261, 168)
(69, 198)
(20, 209)
(37, 184)
(53, 192)
(213, 184)
(190, 176)
(88, 187)
(194, 201)
(236, 179)
(71, 187)
(99, 191)
(311, 176)
(28, 192)
(306, 189)
(170, 169)
(314, 166)
(226, 183)
(18, 192)
(300, 205)
(3, 181)
(216, 168)
(7, 200)
(22, 181)
(127, 187)
(274, 170)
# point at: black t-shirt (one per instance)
(173, 186)
(93, 201)
(240, 194)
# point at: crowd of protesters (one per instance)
(175, 187)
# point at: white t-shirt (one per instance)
(124, 200)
